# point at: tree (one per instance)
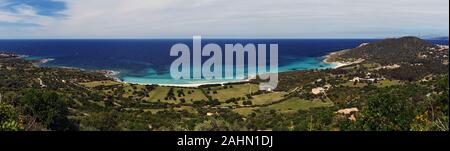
(8, 118)
(214, 102)
(247, 102)
(318, 119)
(386, 112)
(49, 109)
(183, 100)
(213, 124)
(103, 121)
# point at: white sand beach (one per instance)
(339, 64)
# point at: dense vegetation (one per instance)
(410, 97)
(416, 57)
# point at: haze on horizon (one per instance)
(29, 19)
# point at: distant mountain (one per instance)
(398, 50)
(406, 58)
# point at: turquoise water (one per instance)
(152, 77)
(306, 63)
(147, 61)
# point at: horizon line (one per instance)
(206, 37)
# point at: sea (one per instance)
(147, 61)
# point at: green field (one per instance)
(129, 89)
(388, 83)
(288, 106)
(244, 111)
(294, 104)
(188, 109)
(383, 83)
(153, 111)
(160, 93)
(352, 84)
(100, 83)
(268, 98)
(235, 91)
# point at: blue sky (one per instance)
(223, 18)
(43, 7)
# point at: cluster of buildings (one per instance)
(368, 78)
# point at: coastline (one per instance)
(41, 61)
(331, 58)
(194, 85)
(114, 75)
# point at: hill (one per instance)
(398, 50)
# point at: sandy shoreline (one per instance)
(337, 64)
(191, 85)
(42, 61)
(331, 58)
(115, 74)
(196, 85)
